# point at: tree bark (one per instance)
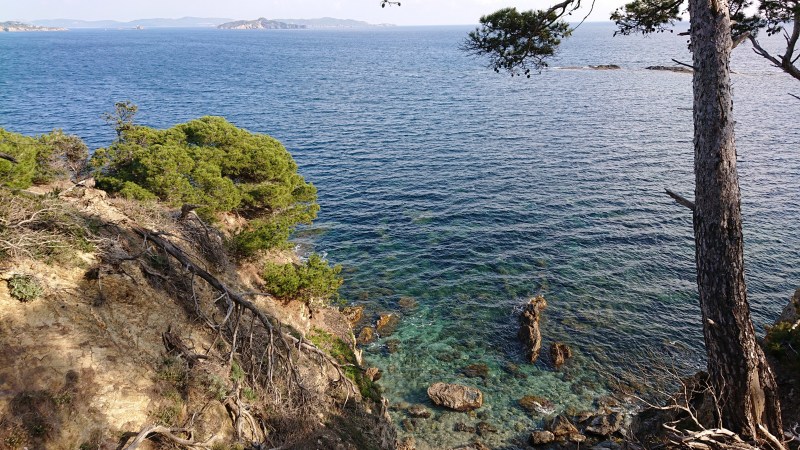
(744, 384)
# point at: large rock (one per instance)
(366, 336)
(604, 424)
(455, 396)
(542, 437)
(529, 332)
(560, 353)
(564, 430)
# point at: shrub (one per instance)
(24, 288)
(212, 163)
(41, 160)
(314, 280)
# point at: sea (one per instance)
(465, 192)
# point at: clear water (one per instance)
(466, 190)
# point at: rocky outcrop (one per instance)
(560, 353)
(791, 313)
(354, 314)
(455, 396)
(366, 336)
(679, 69)
(529, 332)
(564, 430)
(606, 67)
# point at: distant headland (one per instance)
(12, 26)
(293, 24)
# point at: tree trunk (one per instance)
(744, 384)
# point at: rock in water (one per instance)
(560, 353)
(366, 336)
(541, 438)
(354, 314)
(419, 411)
(387, 324)
(529, 332)
(604, 424)
(455, 396)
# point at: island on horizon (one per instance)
(15, 27)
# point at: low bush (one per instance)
(313, 281)
(40, 160)
(24, 287)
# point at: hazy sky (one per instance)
(412, 12)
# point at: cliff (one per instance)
(259, 24)
(124, 322)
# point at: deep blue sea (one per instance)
(466, 190)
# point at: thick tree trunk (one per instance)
(739, 372)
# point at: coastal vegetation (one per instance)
(217, 169)
(214, 365)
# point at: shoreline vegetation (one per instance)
(19, 27)
(151, 293)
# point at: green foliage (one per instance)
(344, 355)
(212, 163)
(24, 287)
(647, 16)
(69, 154)
(314, 280)
(783, 339)
(518, 41)
(31, 156)
(237, 373)
(40, 160)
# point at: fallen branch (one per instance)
(158, 430)
(288, 340)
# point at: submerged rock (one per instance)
(560, 353)
(680, 69)
(463, 428)
(484, 428)
(605, 67)
(408, 425)
(366, 336)
(419, 411)
(455, 396)
(479, 370)
(536, 404)
(407, 303)
(392, 345)
(387, 324)
(529, 332)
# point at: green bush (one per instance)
(211, 163)
(40, 160)
(24, 288)
(314, 280)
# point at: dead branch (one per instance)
(682, 63)
(8, 157)
(681, 200)
(270, 324)
(158, 430)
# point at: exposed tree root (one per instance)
(164, 432)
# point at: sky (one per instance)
(411, 12)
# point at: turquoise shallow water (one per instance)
(463, 189)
